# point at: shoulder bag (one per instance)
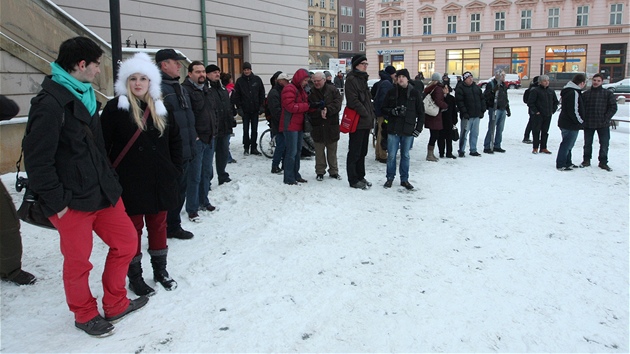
(132, 140)
(349, 121)
(430, 108)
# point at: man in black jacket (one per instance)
(224, 121)
(67, 166)
(274, 103)
(570, 120)
(472, 106)
(177, 99)
(542, 103)
(498, 105)
(404, 108)
(600, 106)
(249, 96)
(200, 171)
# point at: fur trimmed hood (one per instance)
(140, 63)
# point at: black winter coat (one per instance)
(67, 166)
(224, 110)
(176, 98)
(249, 94)
(543, 101)
(470, 101)
(149, 171)
(274, 103)
(325, 130)
(413, 119)
(572, 107)
(358, 98)
(449, 117)
(599, 107)
(204, 110)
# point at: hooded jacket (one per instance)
(599, 107)
(294, 103)
(358, 98)
(572, 113)
(384, 86)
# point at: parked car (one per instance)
(512, 81)
(622, 86)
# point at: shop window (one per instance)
(460, 60)
(569, 58)
(426, 62)
(512, 61)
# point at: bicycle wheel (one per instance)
(267, 144)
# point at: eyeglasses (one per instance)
(364, 63)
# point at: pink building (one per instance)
(522, 37)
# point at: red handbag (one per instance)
(349, 121)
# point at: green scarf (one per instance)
(82, 90)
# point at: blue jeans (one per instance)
(393, 143)
(496, 122)
(199, 175)
(292, 154)
(564, 151)
(469, 125)
(173, 218)
(278, 153)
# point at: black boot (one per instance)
(136, 281)
(160, 275)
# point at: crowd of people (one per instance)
(152, 150)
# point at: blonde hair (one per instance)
(136, 112)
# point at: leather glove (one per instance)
(508, 112)
(322, 104)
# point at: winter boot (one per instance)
(160, 275)
(430, 155)
(136, 281)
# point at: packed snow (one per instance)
(498, 253)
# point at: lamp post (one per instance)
(114, 18)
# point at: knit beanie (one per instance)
(436, 77)
(212, 67)
(357, 59)
(403, 72)
(140, 63)
(390, 70)
(247, 65)
(466, 75)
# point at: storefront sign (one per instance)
(398, 58)
(613, 52)
(612, 60)
(569, 51)
(390, 51)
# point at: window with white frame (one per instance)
(333, 41)
(322, 41)
(311, 20)
(322, 20)
(361, 47)
(361, 13)
(361, 29)
(526, 19)
(499, 21)
(426, 25)
(582, 16)
(322, 4)
(554, 17)
(616, 14)
(311, 2)
(475, 22)
(451, 24)
(349, 11)
(311, 39)
(384, 28)
(344, 11)
(332, 22)
(349, 28)
(332, 4)
(396, 28)
(346, 45)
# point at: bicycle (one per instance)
(267, 144)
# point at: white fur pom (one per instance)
(160, 109)
(123, 102)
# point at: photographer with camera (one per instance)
(405, 110)
(10, 238)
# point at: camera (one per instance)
(21, 183)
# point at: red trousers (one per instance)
(156, 230)
(75, 228)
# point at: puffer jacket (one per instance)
(470, 101)
(325, 130)
(572, 107)
(414, 115)
(599, 107)
(437, 93)
(358, 98)
(294, 103)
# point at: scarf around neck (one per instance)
(81, 90)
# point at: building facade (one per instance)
(323, 35)
(524, 37)
(353, 30)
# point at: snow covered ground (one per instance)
(499, 253)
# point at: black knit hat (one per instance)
(247, 65)
(210, 68)
(357, 59)
(404, 72)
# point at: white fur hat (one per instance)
(140, 63)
